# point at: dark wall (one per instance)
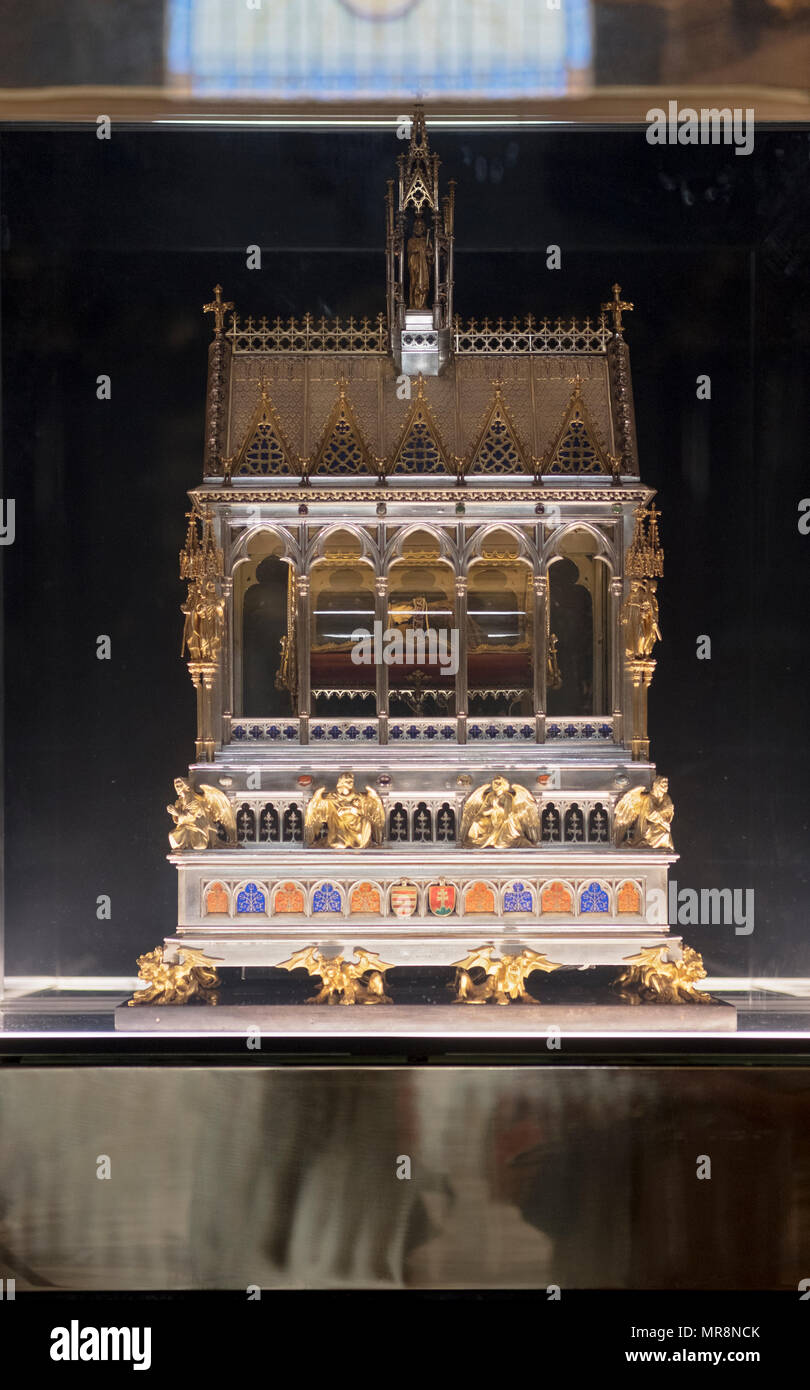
(110, 249)
(78, 42)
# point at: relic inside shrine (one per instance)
(421, 624)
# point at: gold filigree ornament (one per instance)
(343, 981)
(650, 977)
(193, 976)
(504, 976)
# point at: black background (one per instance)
(109, 249)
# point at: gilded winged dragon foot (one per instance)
(193, 976)
(651, 978)
(504, 977)
(343, 982)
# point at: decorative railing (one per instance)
(422, 730)
(308, 335)
(480, 729)
(531, 335)
(516, 730)
(343, 731)
(597, 730)
(485, 336)
(264, 730)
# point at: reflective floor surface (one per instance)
(425, 1177)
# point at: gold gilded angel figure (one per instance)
(353, 819)
(199, 816)
(500, 816)
(645, 817)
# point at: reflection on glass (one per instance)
(341, 605)
(578, 613)
(339, 50)
(421, 650)
(265, 675)
(500, 638)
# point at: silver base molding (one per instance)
(548, 1023)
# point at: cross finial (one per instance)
(218, 309)
(616, 307)
(576, 382)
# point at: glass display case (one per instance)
(422, 608)
(445, 803)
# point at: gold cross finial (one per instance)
(218, 309)
(616, 307)
(576, 382)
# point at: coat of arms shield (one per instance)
(403, 899)
(441, 899)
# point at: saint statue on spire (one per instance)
(419, 264)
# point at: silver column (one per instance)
(304, 642)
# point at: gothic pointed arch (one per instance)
(419, 167)
(576, 447)
(420, 448)
(498, 449)
(342, 449)
(264, 449)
